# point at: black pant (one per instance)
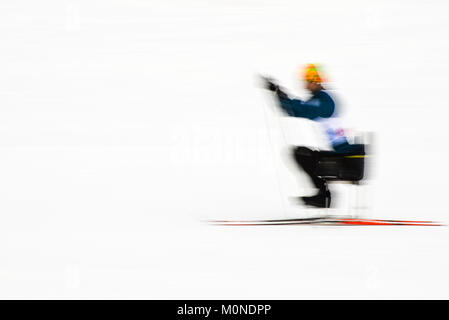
(321, 164)
(307, 160)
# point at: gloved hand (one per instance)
(270, 84)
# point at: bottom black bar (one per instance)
(228, 309)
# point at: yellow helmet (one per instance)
(313, 73)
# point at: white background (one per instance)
(124, 124)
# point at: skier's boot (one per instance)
(321, 200)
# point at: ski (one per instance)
(325, 220)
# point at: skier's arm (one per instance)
(305, 109)
(297, 107)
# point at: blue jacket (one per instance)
(319, 105)
(321, 108)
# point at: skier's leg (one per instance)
(307, 160)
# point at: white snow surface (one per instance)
(125, 124)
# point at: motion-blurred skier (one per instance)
(320, 107)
